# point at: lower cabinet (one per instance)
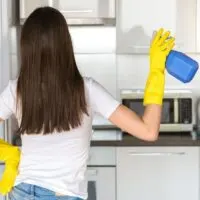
(101, 183)
(155, 173)
(101, 173)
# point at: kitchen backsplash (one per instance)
(95, 51)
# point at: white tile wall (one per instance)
(101, 67)
(132, 72)
(94, 40)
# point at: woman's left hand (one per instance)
(11, 156)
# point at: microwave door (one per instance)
(167, 112)
(168, 109)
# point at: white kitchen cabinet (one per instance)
(86, 8)
(198, 25)
(101, 173)
(154, 173)
(136, 21)
(75, 9)
(4, 45)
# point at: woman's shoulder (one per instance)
(90, 82)
(87, 79)
(12, 85)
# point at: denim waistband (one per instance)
(25, 191)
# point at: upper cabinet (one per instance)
(136, 21)
(75, 11)
(86, 8)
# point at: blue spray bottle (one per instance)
(181, 66)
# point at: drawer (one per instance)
(102, 156)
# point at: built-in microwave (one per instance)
(177, 113)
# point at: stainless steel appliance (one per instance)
(177, 112)
(77, 12)
(101, 174)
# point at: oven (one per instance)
(101, 173)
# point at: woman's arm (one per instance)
(147, 127)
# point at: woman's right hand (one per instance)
(162, 43)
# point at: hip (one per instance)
(24, 191)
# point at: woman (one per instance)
(55, 106)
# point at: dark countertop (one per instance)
(166, 139)
(177, 140)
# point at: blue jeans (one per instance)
(26, 191)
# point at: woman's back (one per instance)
(58, 161)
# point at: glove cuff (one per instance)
(154, 90)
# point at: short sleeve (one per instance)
(102, 101)
(7, 101)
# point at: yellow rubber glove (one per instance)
(11, 156)
(161, 45)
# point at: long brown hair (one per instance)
(50, 89)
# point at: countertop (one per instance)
(163, 140)
(167, 140)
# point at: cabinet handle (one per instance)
(92, 172)
(140, 46)
(156, 153)
(178, 45)
(54, 3)
(76, 11)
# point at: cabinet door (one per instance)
(154, 173)
(136, 21)
(86, 8)
(101, 183)
(76, 8)
(27, 7)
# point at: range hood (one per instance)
(76, 12)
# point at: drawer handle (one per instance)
(92, 172)
(178, 45)
(76, 11)
(156, 153)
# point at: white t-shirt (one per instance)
(58, 161)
